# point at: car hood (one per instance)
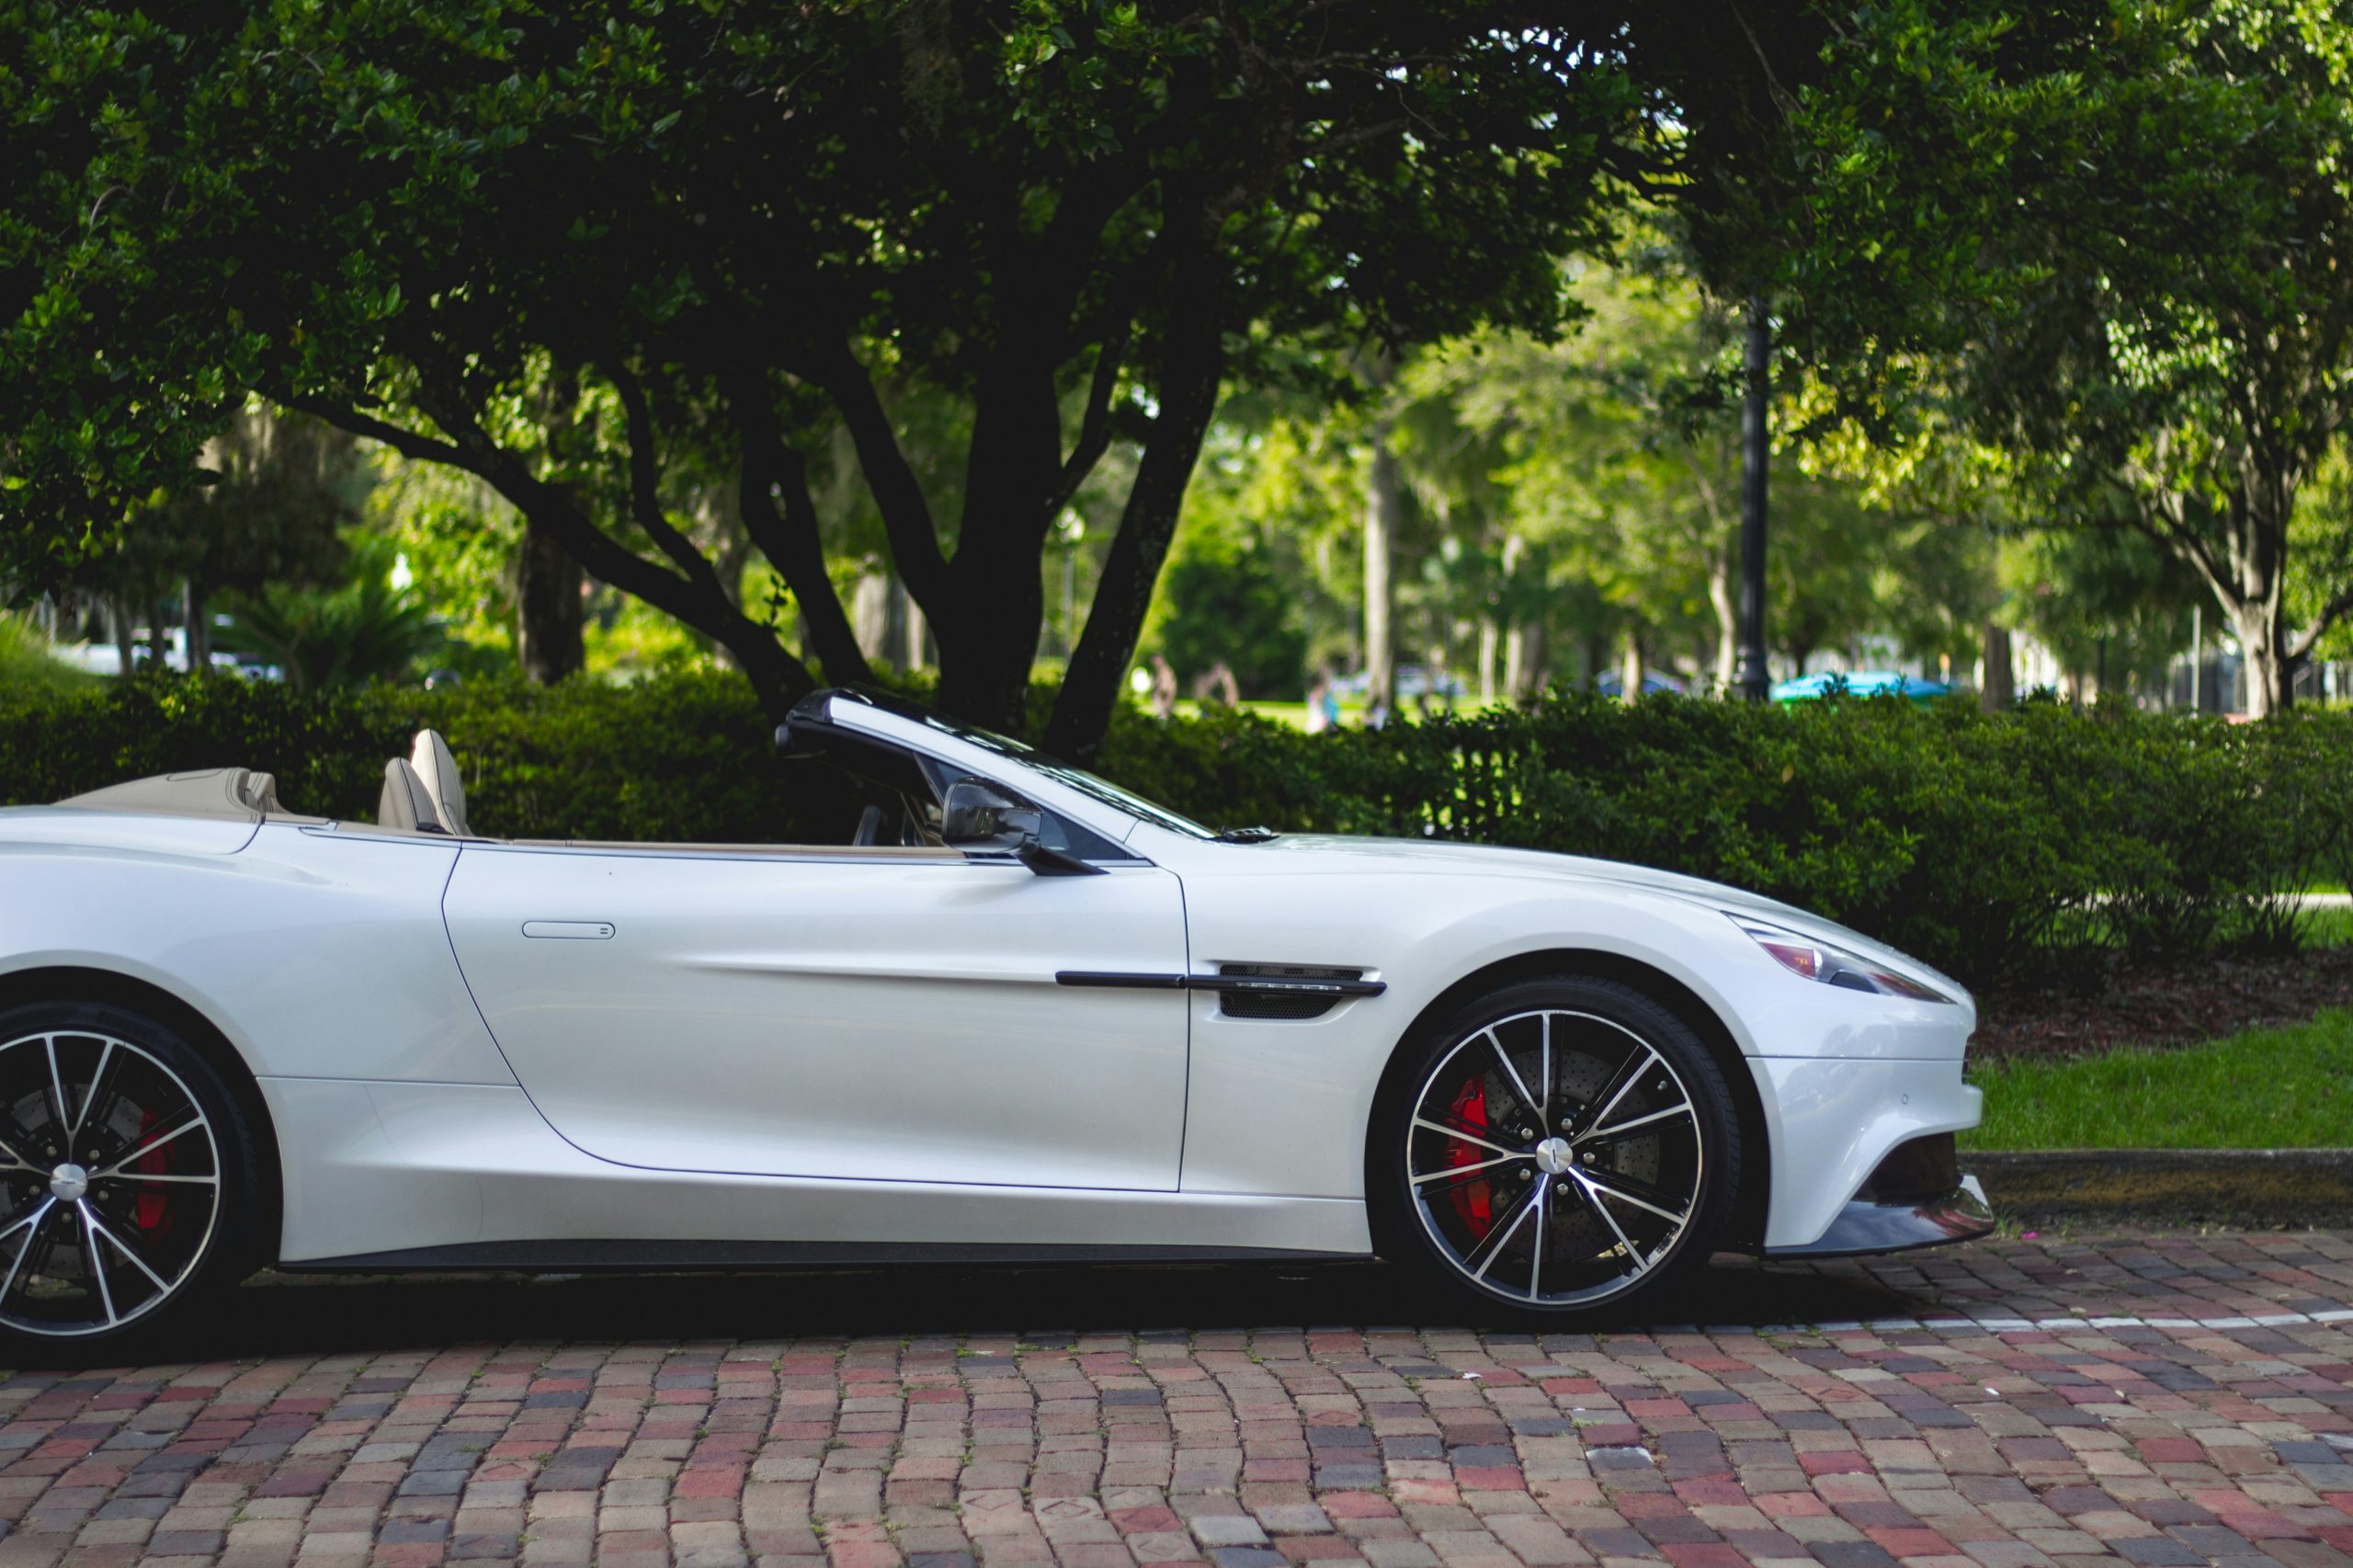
(1318, 851)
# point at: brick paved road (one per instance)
(2144, 1401)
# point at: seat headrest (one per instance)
(405, 806)
(438, 770)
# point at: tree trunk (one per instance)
(914, 629)
(196, 627)
(1490, 640)
(1997, 687)
(2263, 642)
(1727, 608)
(548, 609)
(1524, 653)
(126, 642)
(1383, 511)
(870, 615)
(1630, 665)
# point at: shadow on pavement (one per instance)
(279, 1315)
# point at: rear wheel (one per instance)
(1554, 1148)
(129, 1181)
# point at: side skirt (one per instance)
(653, 1256)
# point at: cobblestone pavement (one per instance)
(2154, 1401)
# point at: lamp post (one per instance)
(1749, 675)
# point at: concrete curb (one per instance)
(2230, 1186)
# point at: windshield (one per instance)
(1088, 784)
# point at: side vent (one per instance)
(1286, 992)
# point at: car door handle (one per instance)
(569, 930)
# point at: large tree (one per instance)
(606, 254)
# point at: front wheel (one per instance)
(1556, 1147)
(129, 1181)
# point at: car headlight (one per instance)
(1832, 966)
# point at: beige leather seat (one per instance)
(405, 806)
(429, 755)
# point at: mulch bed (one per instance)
(2164, 1008)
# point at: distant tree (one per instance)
(1227, 603)
(2128, 231)
(267, 506)
(1618, 450)
(2111, 605)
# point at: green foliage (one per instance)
(2007, 847)
(2271, 1088)
(1987, 845)
(364, 629)
(26, 665)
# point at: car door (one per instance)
(878, 1014)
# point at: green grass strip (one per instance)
(2271, 1088)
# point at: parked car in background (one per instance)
(1860, 683)
(1612, 683)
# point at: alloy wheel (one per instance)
(1555, 1157)
(112, 1180)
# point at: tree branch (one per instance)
(906, 514)
(644, 487)
(1192, 366)
(1095, 425)
(408, 443)
(777, 675)
(790, 539)
(2334, 611)
(2177, 535)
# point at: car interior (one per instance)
(866, 797)
(423, 792)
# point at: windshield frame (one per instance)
(1092, 786)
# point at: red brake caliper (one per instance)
(148, 1208)
(1473, 1200)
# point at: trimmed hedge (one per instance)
(2008, 847)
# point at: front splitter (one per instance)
(1865, 1228)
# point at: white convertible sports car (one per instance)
(1019, 1013)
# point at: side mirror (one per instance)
(976, 812)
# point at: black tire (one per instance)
(1526, 1223)
(182, 1218)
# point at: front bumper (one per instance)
(1835, 1127)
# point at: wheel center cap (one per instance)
(67, 1183)
(1553, 1156)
